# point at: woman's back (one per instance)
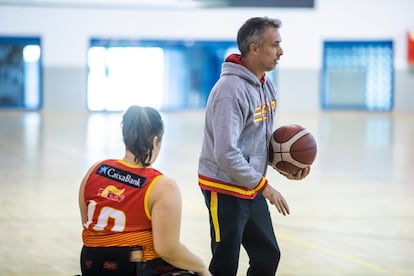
(116, 193)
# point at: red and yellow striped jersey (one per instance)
(116, 196)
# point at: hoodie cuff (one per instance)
(261, 185)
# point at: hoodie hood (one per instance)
(237, 59)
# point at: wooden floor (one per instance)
(353, 215)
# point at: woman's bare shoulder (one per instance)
(165, 187)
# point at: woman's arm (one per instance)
(82, 205)
(165, 206)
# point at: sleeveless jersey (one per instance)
(116, 196)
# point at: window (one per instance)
(167, 75)
(358, 75)
(20, 73)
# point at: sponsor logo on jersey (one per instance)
(122, 176)
(112, 193)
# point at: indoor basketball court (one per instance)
(352, 215)
(68, 68)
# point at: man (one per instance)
(233, 161)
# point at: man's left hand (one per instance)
(301, 174)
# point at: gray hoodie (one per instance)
(238, 124)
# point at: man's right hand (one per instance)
(276, 199)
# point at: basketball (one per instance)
(291, 148)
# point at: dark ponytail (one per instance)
(139, 127)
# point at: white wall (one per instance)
(66, 32)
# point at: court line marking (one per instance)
(336, 253)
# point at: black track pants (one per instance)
(235, 222)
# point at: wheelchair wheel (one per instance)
(180, 273)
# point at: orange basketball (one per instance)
(292, 148)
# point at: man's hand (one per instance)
(276, 199)
(301, 174)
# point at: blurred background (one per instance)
(92, 55)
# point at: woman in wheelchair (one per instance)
(131, 212)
